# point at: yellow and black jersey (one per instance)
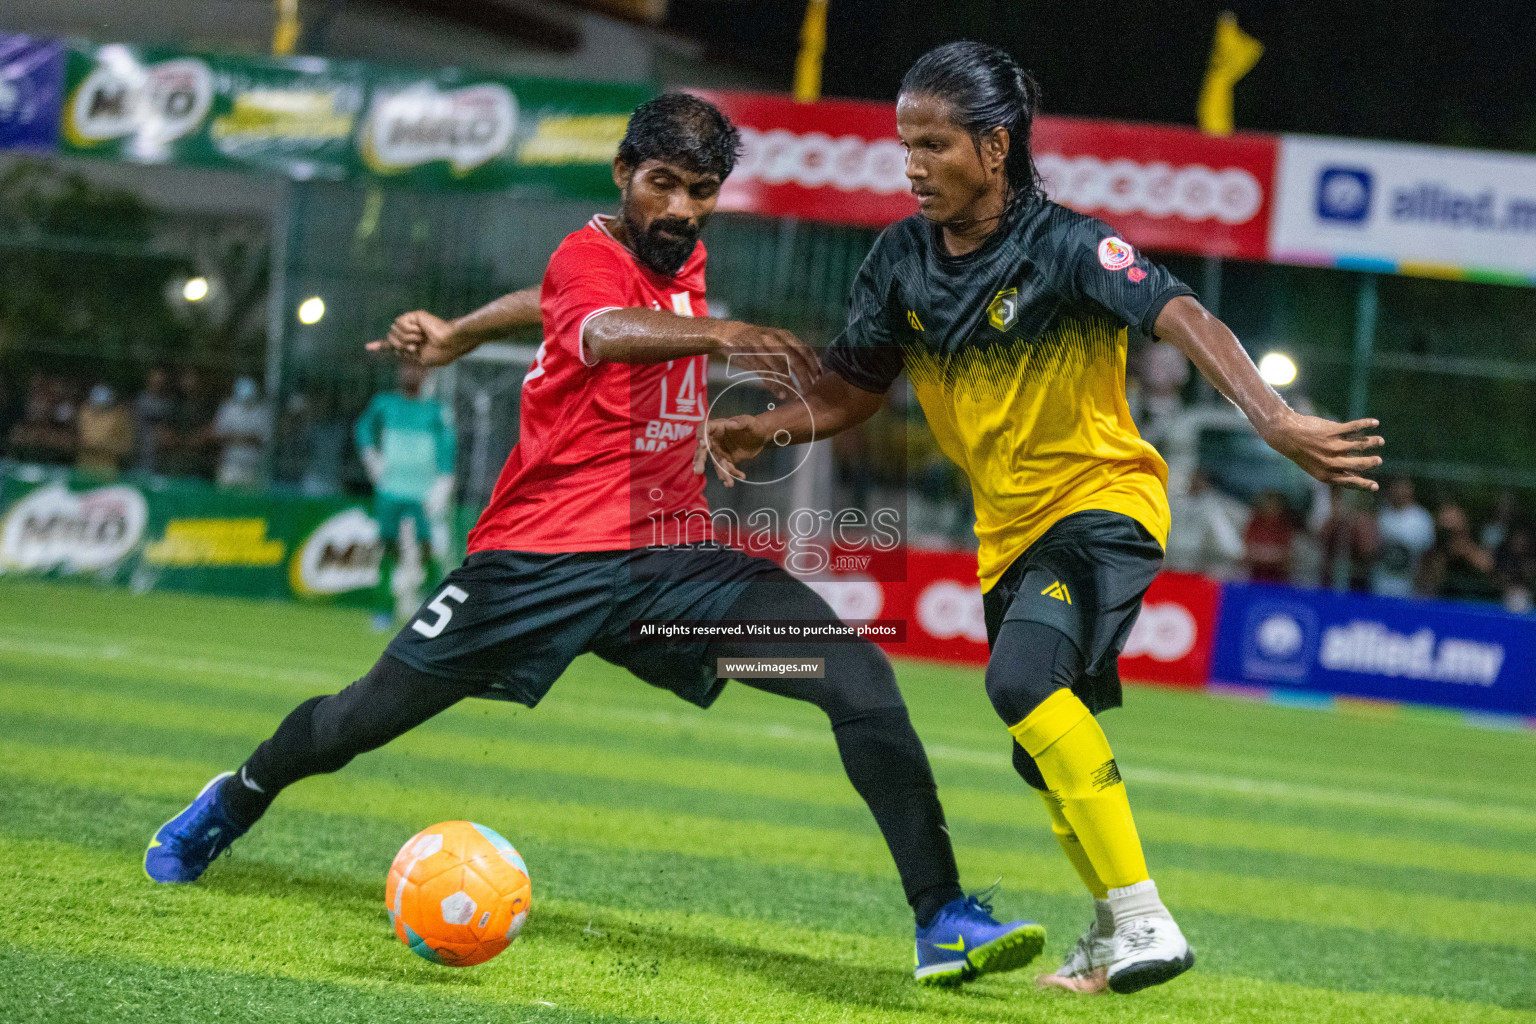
(1017, 353)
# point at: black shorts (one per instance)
(515, 620)
(1086, 577)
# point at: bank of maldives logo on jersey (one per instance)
(684, 393)
(1279, 641)
(1344, 195)
(1116, 253)
(684, 399)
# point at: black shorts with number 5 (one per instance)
(515, 620)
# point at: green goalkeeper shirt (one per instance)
(415, 439)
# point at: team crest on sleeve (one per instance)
(1116, 253)
(1004, 311)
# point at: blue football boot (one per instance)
(184, 846)
(964, 941)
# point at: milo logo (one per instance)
(55, 528)
(342, 554)
(153, 103)
(463, 127)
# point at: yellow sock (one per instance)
(1073, 848)
(1076, 762)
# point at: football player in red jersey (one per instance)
(563, 560)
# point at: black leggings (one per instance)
(880, 750)
(1029, 662)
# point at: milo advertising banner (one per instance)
(188, 536)
(305, 117)
(457, 130)
(149, 105)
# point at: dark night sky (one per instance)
(1417, 70)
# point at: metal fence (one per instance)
(1449, 367)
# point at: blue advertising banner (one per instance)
(1429, 652)
(31, 92)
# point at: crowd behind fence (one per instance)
(181, 422)
(187, 422)
(1388, 544)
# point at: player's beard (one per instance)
(663, 253)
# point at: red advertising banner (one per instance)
(835, 160)
(1175, 634)
(1164, 188)
(940, 601)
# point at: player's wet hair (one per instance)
(681, 129)
(984, 89)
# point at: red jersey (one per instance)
(605, 450)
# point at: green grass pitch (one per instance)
(712, 866)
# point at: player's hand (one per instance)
(727, 443)
(1335, 453)
(435, 501)
(373, 463)
(770, 351)
(420, 337)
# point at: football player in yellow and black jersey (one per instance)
(1010, 315)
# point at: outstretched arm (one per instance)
(654, 336)
(831, 406)
(1335, 453)
(420, 336)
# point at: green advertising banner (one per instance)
(154, 533)
(305, 118)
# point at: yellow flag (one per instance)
(813, 46)
(285, 34)
(1233, 55)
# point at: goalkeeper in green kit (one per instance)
(407, 446)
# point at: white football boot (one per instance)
(1087, 964)
(1148, 949)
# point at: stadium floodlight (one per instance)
(1277, 369)
(311, 310)
(195, 290)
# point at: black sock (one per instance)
(929, 904)
(244, 803)
(886, 764)
(324, 734)
(278, 762)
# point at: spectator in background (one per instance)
(46, 432)
(325, 441)
(289, 456)
(310, 445)
(1514, 566)
(1497, 529)
(1203, 538)
(152, 411)
(5, 407)
(1163, 372)
(1349, 542)
(1268, 539)
(189, 443)
(1406, 531)
(1455, 567)
(105, 432)
(242, 427)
